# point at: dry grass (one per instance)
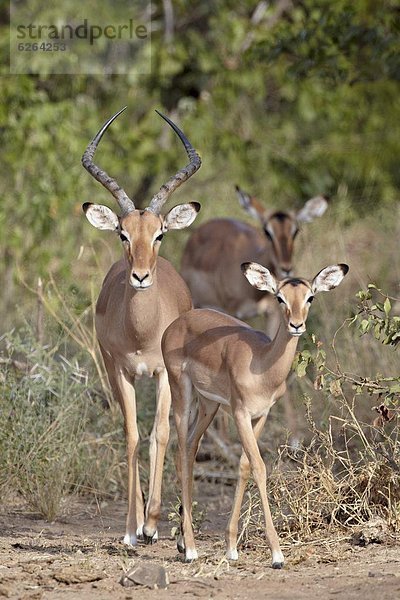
(342, 479)
(61, 434)
(58, 435)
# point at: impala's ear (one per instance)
(250, 204)
(181, 216)
(259, 277)
(313, 208)
(329, 278)
(100, 216)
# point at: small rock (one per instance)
(375, 531)
(151, 576)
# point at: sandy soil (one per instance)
(81, 556)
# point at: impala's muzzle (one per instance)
(140, 281)
(296, 329)
(286, 271)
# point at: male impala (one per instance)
(141, 295)
(213, 255)
(231, 365)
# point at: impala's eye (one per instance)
(159, 237)
(267, 233)
(310, 299)
(280, 300)
(123, 237)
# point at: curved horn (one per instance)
(109, 183)
(183, 175)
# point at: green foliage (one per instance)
(305, 358)
(336, 42)
(374, 318)
(289, 103)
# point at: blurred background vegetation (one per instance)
(288, 99)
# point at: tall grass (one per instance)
(54, 439)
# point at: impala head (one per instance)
(281, 227)
(141, 231)
(294, 294)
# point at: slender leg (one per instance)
(128, 405)
(206, 412)
(193, 417)
(139, 505)
(250, 446)
(244, 473)
(182, 399)
(158, 444)
(124, 391)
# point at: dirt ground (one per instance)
(81, 556)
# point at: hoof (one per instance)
(277, 559)
(190, 556)
(139, 532)
(150, 539)
(232, 554)
(130, 539)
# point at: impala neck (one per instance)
(279, 358)
(142, 312)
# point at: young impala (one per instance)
(231, 365)
(141, 295)
(213, 255)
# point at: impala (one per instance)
(229, 364)
(141, 295)
(213, 255)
